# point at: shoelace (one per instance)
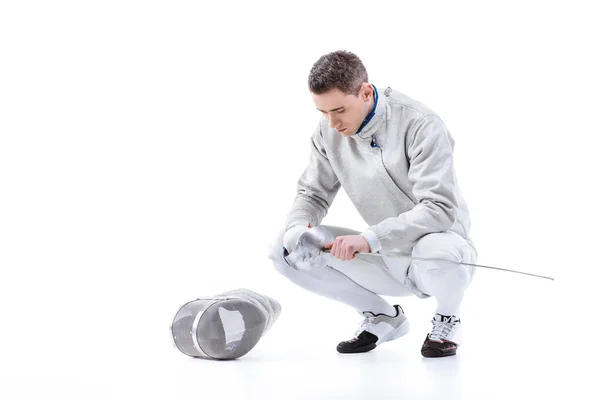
(366, 324)
(442, 330)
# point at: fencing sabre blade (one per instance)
(396, 255)
(309, 253)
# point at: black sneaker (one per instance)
(445, 337)
(364, 342)
(375, 330)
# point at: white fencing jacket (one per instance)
(397, 170)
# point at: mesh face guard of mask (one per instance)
(223, 327)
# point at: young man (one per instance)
(393, 157)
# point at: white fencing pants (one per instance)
(360, 282)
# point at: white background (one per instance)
(149, 150)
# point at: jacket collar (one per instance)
(375, 118)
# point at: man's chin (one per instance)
(346, 132)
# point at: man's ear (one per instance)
(366, 90)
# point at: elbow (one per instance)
(446, 214)
(451, 214)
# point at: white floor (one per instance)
(521, 346)
(130, 183)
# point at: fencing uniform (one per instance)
(398, 171)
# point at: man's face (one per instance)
(345, 112)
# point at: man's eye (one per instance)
(341, 111)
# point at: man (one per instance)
(393, 157)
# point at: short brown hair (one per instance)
(340, 69)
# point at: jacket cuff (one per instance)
(372, 239)
(298, 222)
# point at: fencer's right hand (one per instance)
(291, 236)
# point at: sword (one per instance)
(396, 255)
(309, 254)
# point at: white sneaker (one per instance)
(445, 337)
(374, 330)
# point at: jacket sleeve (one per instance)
(317, 187)
(431, 171)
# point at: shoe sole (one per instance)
(432, 352)
(365, 349)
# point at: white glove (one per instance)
(291, 236)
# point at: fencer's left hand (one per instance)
(344, 247)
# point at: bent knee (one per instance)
(439, 247)
(439, 280)
(444, 246)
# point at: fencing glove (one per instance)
(291, 236)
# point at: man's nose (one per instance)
(333, 122)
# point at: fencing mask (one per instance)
(225, 326)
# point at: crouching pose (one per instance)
(394, 158)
